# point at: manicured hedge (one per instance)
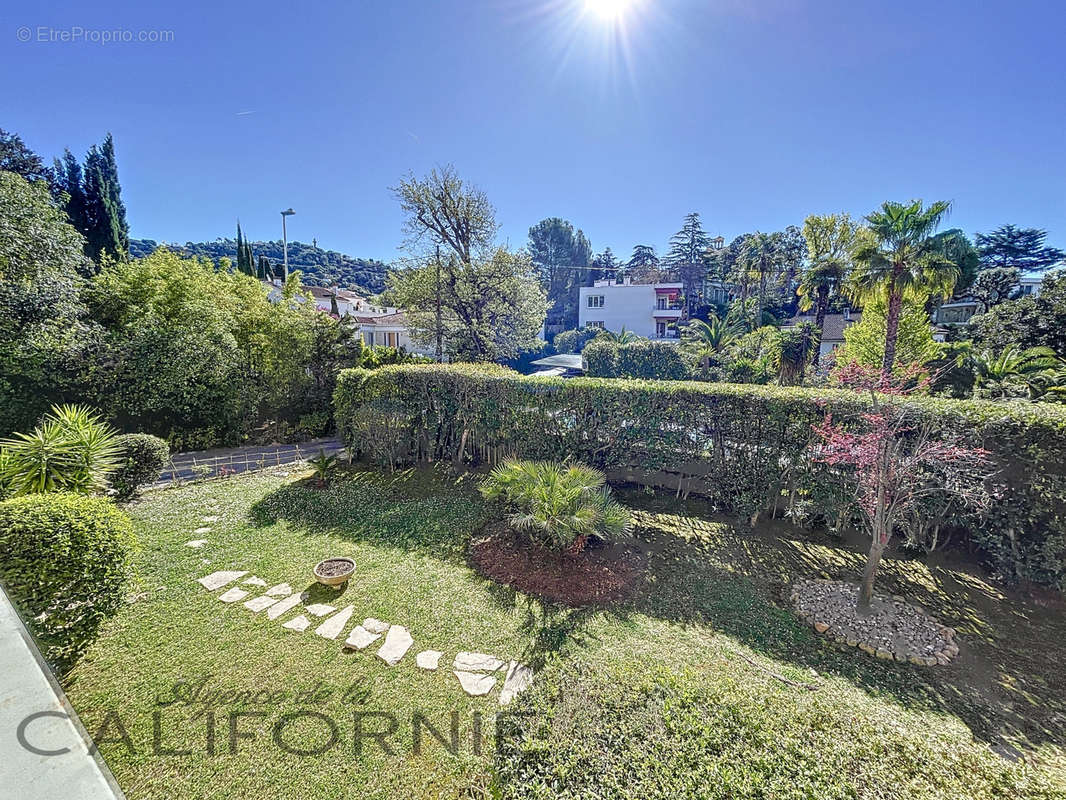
(640, 359)
(744, 447)
(65, 560)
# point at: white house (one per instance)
(647, 309)
(959, 310)
(832, 329)
(389, 330)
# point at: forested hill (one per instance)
(319, 267)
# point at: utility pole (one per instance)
(440, 331)
(288, 212)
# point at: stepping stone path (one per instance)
(299, 623)
(202, 531)
(282, 606)
(216, 580)
(397, 642)
(519, 678)
(259, 603)
(233, 595)
(475, 671)
(360, 638)
(332, 627)
(196, 543)
(428, 659)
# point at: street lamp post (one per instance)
(288, 212)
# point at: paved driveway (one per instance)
(227, 461)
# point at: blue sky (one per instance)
(753, 112)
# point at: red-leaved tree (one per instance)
(895, 460)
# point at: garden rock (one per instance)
(216, 580)
(428, 659)
(360, 638)
(519, 678)
(476, 662)
(211, 518)
(196, 544)
(299, 623)
(233, 595)
(332, 627)
(475, 684)
(202, 531)
(397, 642)
(320, 609)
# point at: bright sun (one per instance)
(607, 9)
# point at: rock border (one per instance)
(822, 624)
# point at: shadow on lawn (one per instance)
(1006, 684)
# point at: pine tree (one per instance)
(262, 270)
(687, 257)
(68, 191)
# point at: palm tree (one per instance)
(708, 338)
(830, 241)
(761, 257)
(622, 337)
(904, 260)
(815, 290)
(1032, 365)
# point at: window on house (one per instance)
(596, 323)
(595, 301)
(660, 330)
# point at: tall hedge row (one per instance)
(745, 447)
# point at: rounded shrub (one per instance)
(143, 458)
(66, 558)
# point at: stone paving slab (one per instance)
(282, 606)
(280, 590)
(475, 684)
(233, 595)
(320, 609)
(375, 625)
(216, 580)
(332, 627)
(255, 580)
(360, 638)
(300, 623)
(519, 678)
(428, 659)
(397, 642)
(196, 544)
(476, 662)
(257, 604)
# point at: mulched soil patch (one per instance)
(599, 575)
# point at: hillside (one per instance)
(319, 267)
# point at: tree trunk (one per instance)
(819, 321)
(866, 589)
(895, 304)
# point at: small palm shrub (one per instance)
(563, 505)
(143, 458)
(324, 467)
(66, 558)
(71, 450)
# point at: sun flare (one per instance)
(607, 9)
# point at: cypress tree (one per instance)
(68, 190)
(106, 229)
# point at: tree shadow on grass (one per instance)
(1006, 685)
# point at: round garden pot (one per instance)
(334, 571)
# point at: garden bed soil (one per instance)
(333, 567)
(599, 575)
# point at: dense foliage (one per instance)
(66, 558)
(319, 267)
(744, 447)
(143, 458)
(564, 505)
(642, 358)
(1029, 321)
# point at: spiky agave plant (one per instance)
(562, 504)
(72, 449)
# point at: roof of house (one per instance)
(397, 318)
(832, 326)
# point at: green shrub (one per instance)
(630, 733)
(66, 558)
(639, 359)
(71, 450)
(143, 458)
(601, 358)
(745, 448)
(564, 505)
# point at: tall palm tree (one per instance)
(904, 260)
(761, 257)
(816, 289)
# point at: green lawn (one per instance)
(697, 687)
